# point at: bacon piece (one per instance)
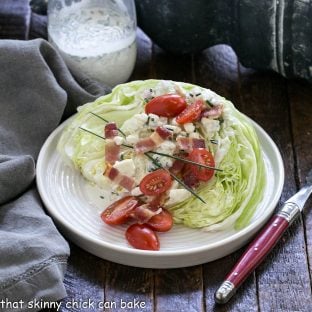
(213, 112)
(114, 175)
(154, 140)
(158, 201)
(188, 144)
(111, 130)
(163, 132)
(144, 145)
(189, 178)
(177, 167)
(127, 182)
(112, 150)
(143, 213)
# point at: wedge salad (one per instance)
(169, 153)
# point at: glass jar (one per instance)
(96, 37)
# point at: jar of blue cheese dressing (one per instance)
(95, 37)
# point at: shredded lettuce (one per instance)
(231, 196)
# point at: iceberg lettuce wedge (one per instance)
(231, 196)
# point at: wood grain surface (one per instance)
(283, 282)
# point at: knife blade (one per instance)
(264, 242)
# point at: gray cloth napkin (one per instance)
(36, 92)
(19, 21)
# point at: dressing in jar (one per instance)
(95, 37)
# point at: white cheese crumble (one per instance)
(118, 140)
(154, 121)
(166, 147)
(141, 165)
(125, 167)
(173, 129)
(189, 127)
(222, 150)
(132, 138)
(179, 90)
(136, 192)
(194, 135)
(177, 196)
(211, 126)
(134, 124)
(174, 122)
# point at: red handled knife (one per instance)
(264, 242)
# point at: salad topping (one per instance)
(168, 137)
(171, 152)
(112, 149)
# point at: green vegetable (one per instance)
(235, 190)
(231, 196)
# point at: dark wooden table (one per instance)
(283, 282)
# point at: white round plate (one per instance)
(67, 197)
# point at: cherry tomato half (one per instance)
(161, 222)
(156, 182)
(141, 236)
(201, 156)
(168, 105)
(119, 211)
(190, 113)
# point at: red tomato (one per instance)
(119, 211)
(141, 236)
(168, 105)
(191, 112)
(201, 156)
(156, 182)
(161, 222)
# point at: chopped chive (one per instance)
(102, 118)
(161, 154)
(101, 137)
(185, 160)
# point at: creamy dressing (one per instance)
(217, 134)
(139, 126)
(100, 198)
(97, 41)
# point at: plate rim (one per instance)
(160, 253)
